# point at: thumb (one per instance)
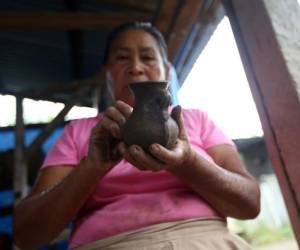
(176, 114)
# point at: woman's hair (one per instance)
(147, 27)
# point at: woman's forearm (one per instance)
(41, 217)
(232, 194)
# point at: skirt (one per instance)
(195, 234)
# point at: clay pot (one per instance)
(150, 121)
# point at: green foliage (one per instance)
(261, 234)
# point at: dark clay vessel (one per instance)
(150, 121)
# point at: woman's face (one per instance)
(134, 57)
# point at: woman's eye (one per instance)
(121, 57)
(148, 58)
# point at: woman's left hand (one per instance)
(161, 158)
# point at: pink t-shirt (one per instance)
(128, 199)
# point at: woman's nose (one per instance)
(136, 67)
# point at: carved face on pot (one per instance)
(134, 56)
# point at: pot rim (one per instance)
(165, 83)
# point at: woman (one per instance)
(120, 197)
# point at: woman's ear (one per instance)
(107, 76)
(108, 94)
(168, 71)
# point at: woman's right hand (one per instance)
(105, 137)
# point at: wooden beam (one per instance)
(98, 80)
(64, 20)
(80, 90)
(49, 128)
(145, 5)
(166, 16)
(267, 49)
(47, 131)
(189, 11)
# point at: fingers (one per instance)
(124, 108)
(169, 157)
(119, 112)
(115, 117)
(112, 113)
(111, 126)
(123, 149)
(176, 114)
(140, 159)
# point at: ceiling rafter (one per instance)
(97, 80)
(145, 5)
(166, 15)
(189, 12)
(64, 20)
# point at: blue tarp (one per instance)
(6, 225)
(174, 86)
(7, 142)
(7, 138)
(6, 198)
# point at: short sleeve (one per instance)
(64, 151)
(211, 134)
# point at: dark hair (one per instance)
(147, 27)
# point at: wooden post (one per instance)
(268, 37)
(20, 168)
